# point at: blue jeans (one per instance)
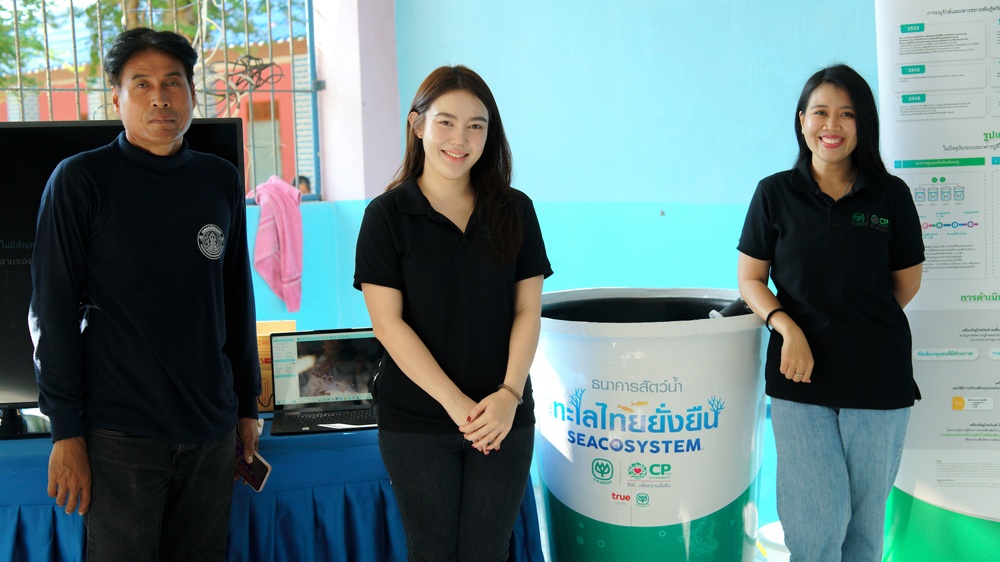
(457, 503)
(157, 501)
(836, 468)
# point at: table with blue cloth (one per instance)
(328, 498)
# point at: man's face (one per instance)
(155, 102)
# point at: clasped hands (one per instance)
(487, 423)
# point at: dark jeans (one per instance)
(457, 503)
(158, 501)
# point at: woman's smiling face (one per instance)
(828, 125)
(453, 132)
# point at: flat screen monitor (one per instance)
(29, 151)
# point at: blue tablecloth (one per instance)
(328, 498)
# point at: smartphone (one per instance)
(254, 473)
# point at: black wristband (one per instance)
(767, 320)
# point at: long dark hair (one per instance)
(866, 157)
(491, 174)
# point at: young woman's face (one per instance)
(453, 131)
(829, 126)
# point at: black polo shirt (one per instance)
(457, 299)
(831, 263)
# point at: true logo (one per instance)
(211, 241)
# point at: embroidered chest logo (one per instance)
(878, 223)
(874, 221)
(211, 242)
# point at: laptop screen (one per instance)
(323, 367)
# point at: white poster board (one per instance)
(939, 97)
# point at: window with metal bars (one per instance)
(256, 62)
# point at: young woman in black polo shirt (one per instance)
(451, 261)
(840, 238)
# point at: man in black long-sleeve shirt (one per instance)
(142, 316)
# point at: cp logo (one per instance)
(602, 469)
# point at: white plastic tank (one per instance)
(649, 415)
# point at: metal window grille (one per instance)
(256, 61)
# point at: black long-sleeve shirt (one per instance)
(142, 310)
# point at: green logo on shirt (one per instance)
(874, 221)
(879, 223)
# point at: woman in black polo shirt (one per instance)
(451, 260)
(840, 238)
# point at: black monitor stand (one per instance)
(15, 424)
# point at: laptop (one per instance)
(323, 380)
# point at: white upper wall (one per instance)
(359, 130)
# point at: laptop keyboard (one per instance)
(333, 417)
(321, 421)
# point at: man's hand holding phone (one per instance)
(255, 473)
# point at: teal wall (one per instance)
(639, 128)
(329, 234)
(590, 244)
(687, 101)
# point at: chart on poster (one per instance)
(939, 96)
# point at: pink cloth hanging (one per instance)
(278, 248)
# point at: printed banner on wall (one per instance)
(939, 95)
